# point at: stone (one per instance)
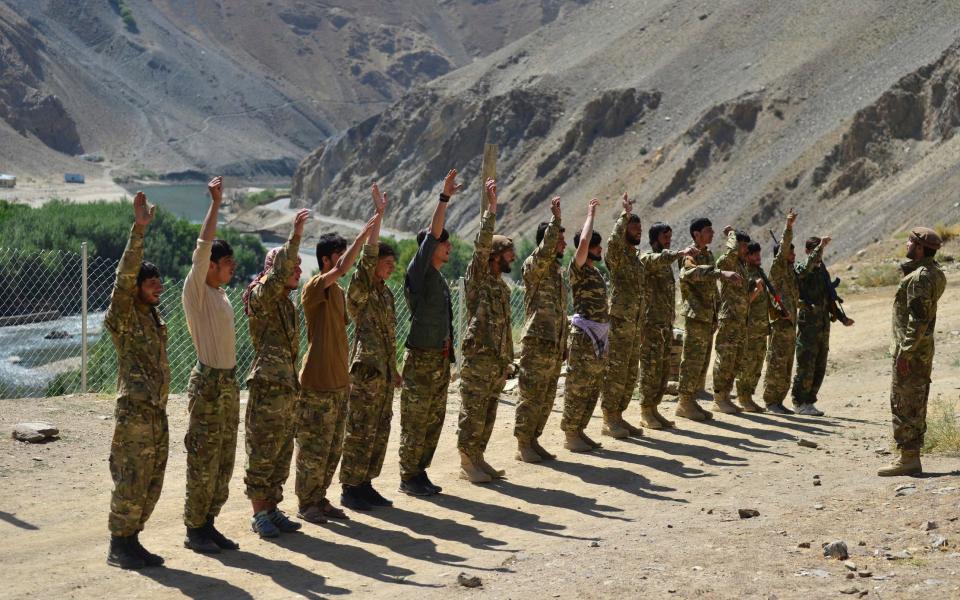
(594, 544)
(817, 506)
(865, 574)
(850, 590)
(928, 526)
(850, 565)
(34, 432)
(806, 443)
(470, 581)
(816, 483)
(803, 545)
(57, 334)
(748, 513)
(939, 542)
(14, 360)
(836, 549)
(902, 555)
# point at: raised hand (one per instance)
(824, 241)
(592, 207)
(791, 217)
(215, 187)
(143, 211)
(491, 188)
(299, 220)
(450, 185)
(379, 200)
(691, 251)
(727, 230)
(627, 203)
(555, 206)
(369, 225)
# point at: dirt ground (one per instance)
(652, 517)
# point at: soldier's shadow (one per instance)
(201, 587)
(745, 444)
(666, 465)
(557, 498)
(706, 454)
(445, 529)
(622, 479)
(763, 433)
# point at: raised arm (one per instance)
(450, 187)
(484, 241)
(347, 259)
(125, 287)
(544, 255)
(209, 230)
(814, 257)
(780, 264)
(727, 260)
(583, 248)
(284, 263)
(617, 245)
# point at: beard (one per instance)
(633, 240)
(595, 257)
(559, 256)
(504, 266)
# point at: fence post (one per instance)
(83, 318)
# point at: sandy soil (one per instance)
(35, 191)
(654, 517)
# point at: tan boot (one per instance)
(471, 471)
(649, 417)
(544, 454)
(907, 464)
(575, 443)
(687, 408)
(612, 427)
(633, 430)
(667, 423)
(590, 442)
(527, 453)
(489, 470)
(748, 405)
(722, 404)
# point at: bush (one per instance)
(879, 275)
(943, 431)
(126, 14)
(948, 232)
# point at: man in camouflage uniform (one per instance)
(783, 327)
(373, 370)
(430, 350)
(817, 310)
(698, 289)
(487, 344)
(758, 327)
(914, 325)
(589, 338)
(272, 383)
(659, 302)
(138, 454)
(544, 338)
(732, 317)
(626, 295)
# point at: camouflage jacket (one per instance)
(371, 306)
(489, 328)
(784, 278)
(626, 277)
(273, 321)
(812, 287)
(915, 308)
(733, 296)
(659, 288)
(698, 287)
(758, 311)
(138, 333)
(545, 297)
(589, 292)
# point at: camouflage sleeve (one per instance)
(805, 267)
(728, 260)
(655, 260)
(480, 263)
(125, 288)
(919, 304)
(545, 253)
(275, 282)
(691, 271)
(617, 246)
(362, 281)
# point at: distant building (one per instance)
(73, 178)
(8, 181)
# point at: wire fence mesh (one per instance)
(41, 323)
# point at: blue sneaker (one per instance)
(262, 524)
(283, 522)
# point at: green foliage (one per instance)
(523, 249)
(943, 430)
(879, 275)
(126, 14)
(248, 201)
(455, 268)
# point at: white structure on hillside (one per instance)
(8, 181)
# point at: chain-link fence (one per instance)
(52, 340)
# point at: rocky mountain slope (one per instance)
(845, 111)
(231, 86)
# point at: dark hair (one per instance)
(743, 236)
(148, 270)
(928, 251)
(330, 244)
(812, 243)
(595, 239)
(633, 218)
(386, 251)
(699, 224)
(753, 247)
(220, 249)
(656, 229)
(542, 231)
(422, 235)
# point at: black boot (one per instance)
(353, 499)
(122, 555)
(373, 496)
(151, 559)
(198, 541)
(222, 541)
(426, 480)
(415, 486)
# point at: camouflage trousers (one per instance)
(622, 364)
(423, 406)
(540, 365)
(729, 350)
(654, 364)
(138, 459)
(270, 429)
(213, 400)
(321, 416)
(813, 346)
(369, 413)
(481, 382)
(585, 373)
(695, 360)
(751, 364)
(780, 353)
(908, 403)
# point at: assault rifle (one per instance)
(836, 302)
(777, 298)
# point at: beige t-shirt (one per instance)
(325, 368)
(209, 314)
